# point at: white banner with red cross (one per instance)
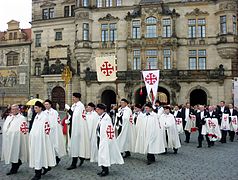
(151, 79)
(106, 68)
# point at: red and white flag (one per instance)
(106, 68)
(151, 79)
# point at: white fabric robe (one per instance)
(127, 137)
(149, 135)
(179, 125)
(42, 153)
(56, 132)
(233, 124)
(108, 152)
(168, 123)
(190, 124)
(160, 111)
(225, 126)
(212, 129)
(79, 141)
(92, 121)
(15, 139)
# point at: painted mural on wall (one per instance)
(8, 78)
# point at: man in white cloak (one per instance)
(56, 133)
(126, 129)
(42, 154)
(15, 140)
(79, 144)
(170, 132)
(149, 135)
(92, 121)
(158, 108)
(108, 150)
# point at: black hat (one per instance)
(39, 104)
(148, 105)
(124, 100)
(101, 106)
(77, 95)
(91, 105)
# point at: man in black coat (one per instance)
(222, 109)
(185, 114)
(232, 112)
(200, 120)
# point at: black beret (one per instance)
(125, 100)
(77, 95)
(39, 104)
(101, 106)
(148, 105)
(91, 104)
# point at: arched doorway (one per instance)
(141, 97)
(108, 97)
(58, 96)
(198, 96)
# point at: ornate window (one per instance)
(197, 59)
(108, 3)
(104, 32)
(109, 32)
(201, 28)
(151, 56)
(66, 11)
(223, 28)
(85, 31)
(136, 29)
(234, 25)
(99, 3)
(10, 36)
(37, 69)
(48, 13)
(192, 28)
(151, 27)
(166, 28)
(38, 40)
(12, 59)
(136, 60)
(167, 59)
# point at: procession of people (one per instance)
(94, 133)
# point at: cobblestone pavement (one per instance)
(218, 162)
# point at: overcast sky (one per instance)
(19, 10)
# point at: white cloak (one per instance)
(179, 124)
(92, 119)
(79, 141)
(42, 153)
(108, 152)
(56, 132)
(168, 123)
(225, 122)
(212, 129)
(233, 124)
(15, 139)
(127, 137)
(149, 135)
(190, 124)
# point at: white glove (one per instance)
(67, 107)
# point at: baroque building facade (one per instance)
(194, 44)
(15, 50)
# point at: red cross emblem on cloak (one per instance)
(178, 121)
(225, 118)
(24, 128)
(211, 124)
(58, 120)
(47, 128)
(110, 132)
(131, 119)
(107, 68)
(234, 121)
(84, 115)
(151, 78)
(193, 117)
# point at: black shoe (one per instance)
(128, 154)
(71, 167)
(45, 170)
(199, 146)
(104, 173)
(57, 160)
(186, 141)
(175, 151)
(209, 146)
(81, 161)
(99, 173)
(11, 172)
(149, 163)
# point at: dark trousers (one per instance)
(232, 135)
(175, 149)
(187, 135)
(151, 157)
(200, 137)
(223, 136)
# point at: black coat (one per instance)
(201, 121)
(179, 114)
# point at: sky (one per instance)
(19, 10)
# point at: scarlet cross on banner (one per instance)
(151, 79)
(106, 68)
